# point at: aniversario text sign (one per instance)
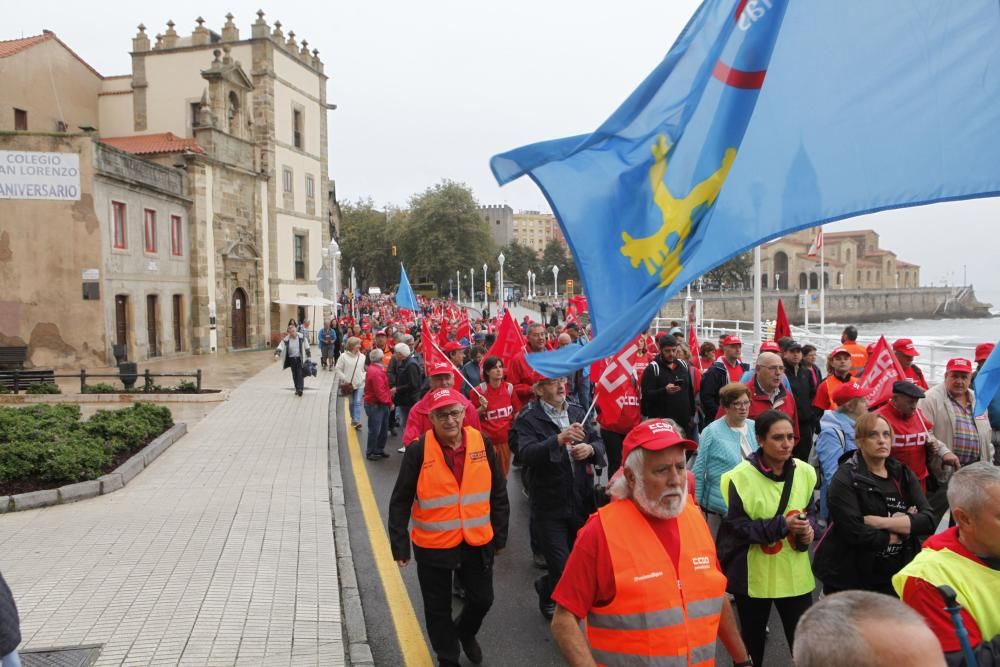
(34, 175)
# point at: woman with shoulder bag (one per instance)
(878, 513)
(351, 377)
(764, 538)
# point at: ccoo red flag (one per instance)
(464, 328)
(881, 371)
(781, 326)
(509, 342)
(616, 390)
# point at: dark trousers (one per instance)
(476, 575)
(613, 448)
(378, 427)
(556, 538)
(754, 614)
(801, 451)
(295, 364)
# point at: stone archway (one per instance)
(781, 270)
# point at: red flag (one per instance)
(509, 342)
(880, 372)
(464, 328)
(781, 326)
(692, 321)
(431, 355)
(616, 390)
(443, 333)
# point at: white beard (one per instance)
(660, 508)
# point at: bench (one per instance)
(13, 356)
(19, 380)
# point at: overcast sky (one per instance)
(430, 90)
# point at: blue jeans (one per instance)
(357, 401)
(403, 412)
(10, 660)
(378, 427)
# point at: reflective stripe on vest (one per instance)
(774, 570)
(660, 615)
(444, 515)
(976, 584)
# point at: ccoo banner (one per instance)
(35, 175)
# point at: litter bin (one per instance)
(120, 352)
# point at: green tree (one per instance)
(736, 272)
(518, 259)
(555, 254)
(444, 233)
(366, 239)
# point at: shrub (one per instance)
(100, 388)
(49, 443)
(43, 388)
(5, 390)
(185, 387)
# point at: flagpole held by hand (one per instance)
(464, 379)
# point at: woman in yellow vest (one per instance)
(764, 538)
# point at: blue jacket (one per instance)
(718, 452)
(836, 438)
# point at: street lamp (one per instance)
(486, 303)
(472, 286)
(451, 293)
(529, 282)
(334, 252)
(777, 282)
(458, 285)
(555, 281)
(500, 259)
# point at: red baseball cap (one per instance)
(381, 332)
(770, 346)
(654, 435)
(442, 398)
(848, 392)
(958, 365)
(439, 368)
(732, 340)
(905, 346)
(453, 345)
(983, 351)
(840, 349)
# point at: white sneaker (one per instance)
(401, 450)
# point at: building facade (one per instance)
(852, 260)
(207, 174)
(500, 218)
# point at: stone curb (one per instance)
(359, 652)
(113, 481)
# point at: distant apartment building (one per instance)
(202, 200)
(534, 230)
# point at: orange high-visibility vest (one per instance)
(659, 615)
(443, 514)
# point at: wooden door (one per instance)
(151, 308)
(121, 320)
(178, 323)
(239, 310)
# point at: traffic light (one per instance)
(393, 251)
(569, 286)
(489, 288)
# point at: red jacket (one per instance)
(761, 403)
(377, 386)
(911, 439)
(523, 377)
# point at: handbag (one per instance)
(347, 388)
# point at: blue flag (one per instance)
(866, 106)
(405, 298)
(987, 382)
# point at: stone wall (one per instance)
(847, 306)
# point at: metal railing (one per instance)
(30, 377)
(933, 356)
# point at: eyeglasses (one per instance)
(741, 405)
(451, 415)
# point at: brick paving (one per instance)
(220, 553)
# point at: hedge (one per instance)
(49, 443)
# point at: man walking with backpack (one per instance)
(667, 389)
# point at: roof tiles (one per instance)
(149, 144)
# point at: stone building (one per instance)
(205, 173)
(853, 260)
(534, 230)
(500, 218)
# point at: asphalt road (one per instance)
(514, 632)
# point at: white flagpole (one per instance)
(822, 284)
(757, 299)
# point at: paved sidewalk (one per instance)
(220, 553)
